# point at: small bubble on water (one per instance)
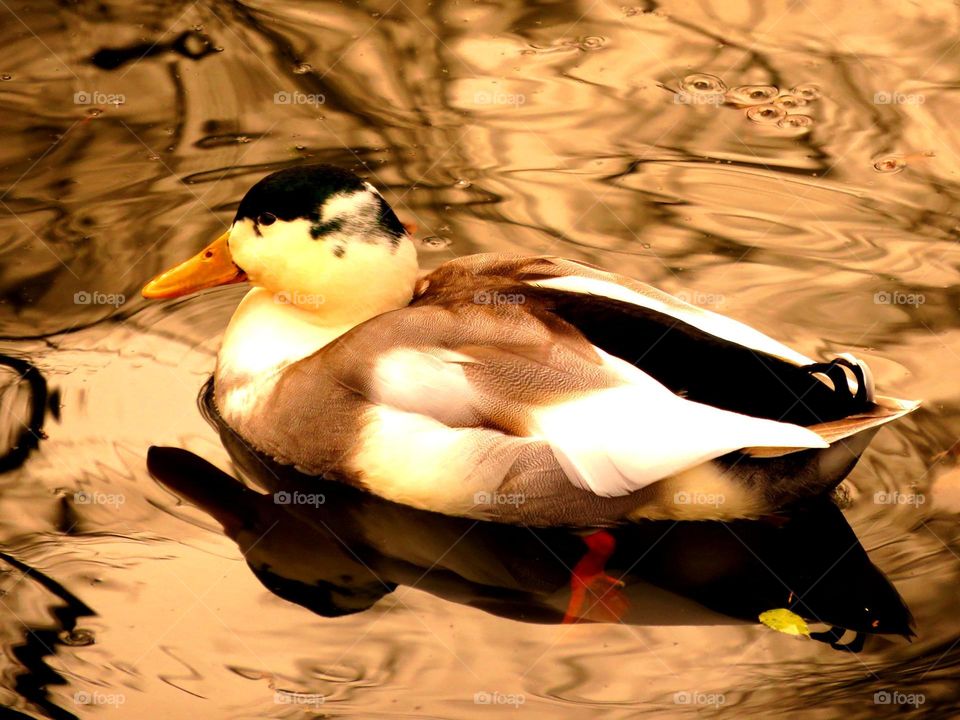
(198, 27)
(435, 242)
(795, 121)
(300, 148)
(78, 637)
(6, 77)
(753, 94)
(592, 42)
(242, 139)
(94, 112)
(890, 164)
(528, 51)
(702, 83)
(462, 184)
(152, 156)
(766, 114)
(808, 91)
(630, 11)
(302, 69)
(790, 102)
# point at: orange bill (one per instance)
(210, 267)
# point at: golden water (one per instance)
(791, 164)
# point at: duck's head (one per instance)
(318, 237)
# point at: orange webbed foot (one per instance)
(595, 596)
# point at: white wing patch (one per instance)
(619, 440)
(710, 322)
(415, 460)
(432, 383)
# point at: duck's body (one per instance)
(474, 408)
(535, 390)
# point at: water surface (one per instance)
(582, 129)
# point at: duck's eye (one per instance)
(266, 219)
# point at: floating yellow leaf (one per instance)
(785, 621)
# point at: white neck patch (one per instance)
(264, 336)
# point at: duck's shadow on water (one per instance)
(336, 550)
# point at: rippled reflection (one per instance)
(790, 164)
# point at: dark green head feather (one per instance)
(299, 192)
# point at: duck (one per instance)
(532, 390)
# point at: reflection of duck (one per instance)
(535, 390)
(344, 554)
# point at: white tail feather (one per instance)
(615, 441)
